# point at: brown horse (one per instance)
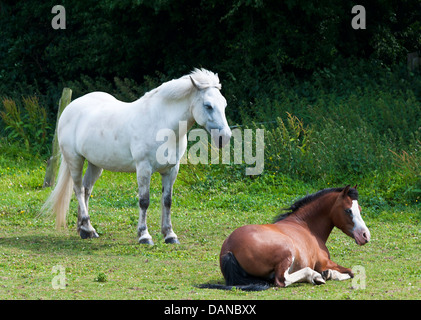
(293, 248)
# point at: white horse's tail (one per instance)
(59, 199)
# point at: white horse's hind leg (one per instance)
(168, 179)
(144, 173)
(84, 226)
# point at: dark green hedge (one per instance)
(249, 42)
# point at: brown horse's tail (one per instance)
(236, 277)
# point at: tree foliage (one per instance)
(244, 40)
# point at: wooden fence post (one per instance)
(413, 61)
(54, 161)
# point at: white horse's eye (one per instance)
(208, 106)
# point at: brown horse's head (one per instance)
(346, 215)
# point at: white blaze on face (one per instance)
(360, 231)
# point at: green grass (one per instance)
(115, 266)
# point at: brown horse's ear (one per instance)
(356, 186)
(345, 191)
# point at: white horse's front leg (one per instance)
(168, 179)
(143, 179)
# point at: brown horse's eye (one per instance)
(348, 211)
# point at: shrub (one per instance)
(287, 147)
(27, 123)
(408, 165)
(101, 277)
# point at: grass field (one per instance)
(115, 266)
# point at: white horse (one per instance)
(118, 136)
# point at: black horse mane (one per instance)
(352, 193)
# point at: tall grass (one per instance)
(25, 122)
(342, 128)
(356, 122)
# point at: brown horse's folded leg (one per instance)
(334, 271)
(284, 277)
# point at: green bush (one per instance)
(356, 124)
(27, 123)
(287, 147)
(408, 166)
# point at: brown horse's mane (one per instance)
(352, 193)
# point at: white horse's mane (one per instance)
(205, 78)
(179, 88)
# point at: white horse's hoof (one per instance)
(146, 241)
(172, 241)
(88, 234)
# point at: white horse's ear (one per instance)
(195, 84)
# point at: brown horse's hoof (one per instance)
(318, 279)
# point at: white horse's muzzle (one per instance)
(221, 136)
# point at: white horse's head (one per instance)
(208, 107)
